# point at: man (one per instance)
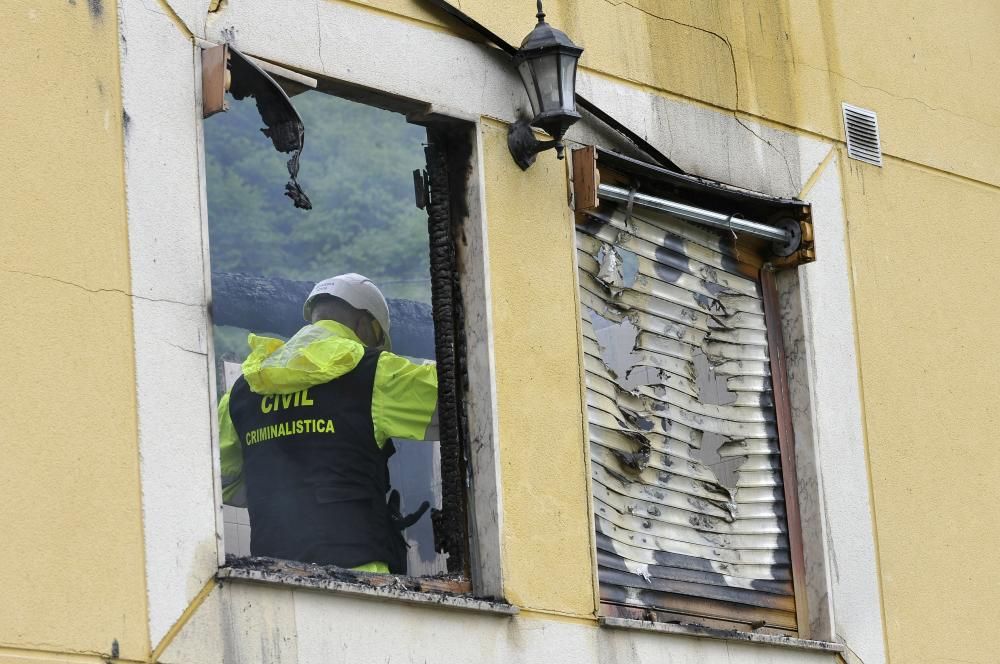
(307, 429)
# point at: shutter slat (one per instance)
(688, 497)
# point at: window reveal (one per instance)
(688, 490)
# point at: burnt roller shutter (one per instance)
(688, 489)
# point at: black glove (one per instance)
(399, 521)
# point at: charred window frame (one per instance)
(448, 190)
(433, 189)
(665, 551)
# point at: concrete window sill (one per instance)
(356, 584)
(726, 635)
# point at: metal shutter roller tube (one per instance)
(695, 214)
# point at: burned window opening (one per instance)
(267, 256)
(689, 498)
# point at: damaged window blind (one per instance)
(688, 497)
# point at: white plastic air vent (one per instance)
(861, 127)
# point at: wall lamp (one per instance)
(547, 64)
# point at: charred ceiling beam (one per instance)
(600, 114)
(274, 304)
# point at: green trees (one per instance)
(356, 168)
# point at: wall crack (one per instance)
(186, 350)
(102, 290)
(736, 82)
(319, 37)
(936, 109)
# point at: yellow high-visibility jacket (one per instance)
(404, 396)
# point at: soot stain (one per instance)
(714, 288)
(707, 303)
(96, 8)
(591, 226)
(670, 264)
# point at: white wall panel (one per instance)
(352, 44)
(163, 191)
(264, 625)
(825, 301)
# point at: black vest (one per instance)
(316, 479)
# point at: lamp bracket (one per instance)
(524, 146)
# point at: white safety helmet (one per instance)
(359, 292)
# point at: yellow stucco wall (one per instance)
(71, 562)
(924, 247)
(547, 557)
(925, 241)
(926, 317)
(794, 62)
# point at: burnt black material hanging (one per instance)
(282, 122)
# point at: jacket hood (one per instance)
(316, 354)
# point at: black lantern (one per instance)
(547, 64)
